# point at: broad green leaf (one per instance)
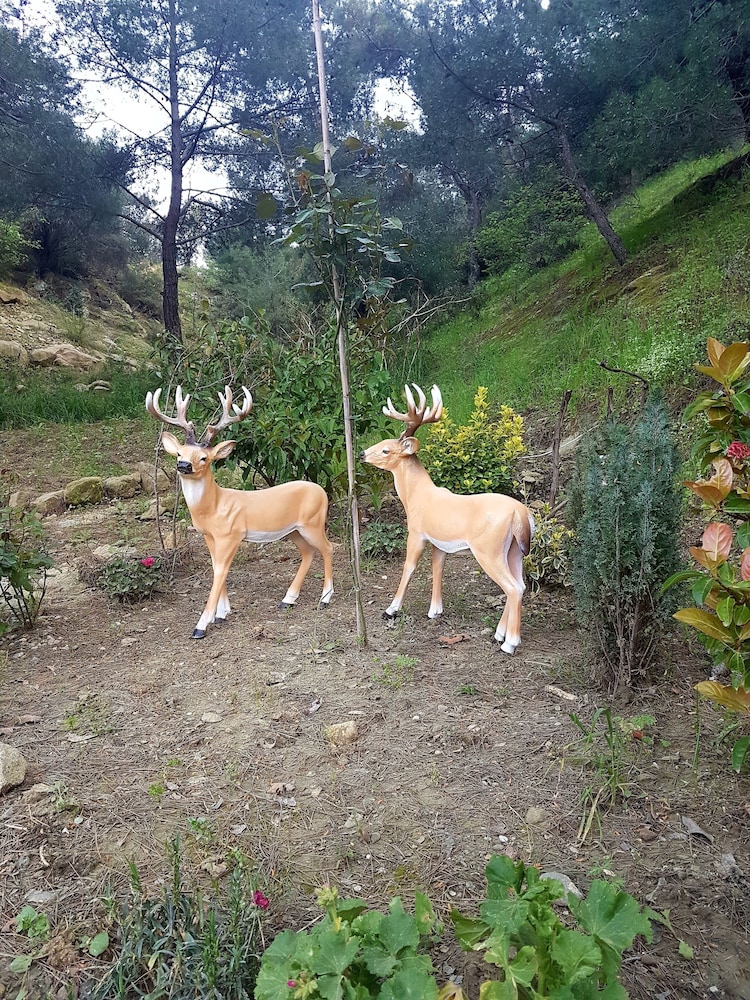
(614, 918)
(98, 944)
(743, 535)
(468, 931)
(705, 622)
(398, 929)
(741, 401)
(503, 873)
(498, 991)
(725, 611)
(334, 953)
(505, 914)
(736, 505)
(682, 577)
(702, 588)
(21, 963)
(577, 954)
(352, 143)
(524, 966)
(414, 981)
(740, 752)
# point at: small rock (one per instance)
(341, 734)
(210, 717)
(123, 487)
(12, 767)
(535, 815)
(567, 883)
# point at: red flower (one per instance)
(738, 451)
(260, 900)
(148, 562)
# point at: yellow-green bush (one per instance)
(476, 457)
(548, 562)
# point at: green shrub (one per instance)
(23, 565)
(12, 246)
(476, 457)
(625, 510)
(129, 578)
(548, 561)
(185, 945)
(721, 586)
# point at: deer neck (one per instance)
(412, 481)
(201, 495)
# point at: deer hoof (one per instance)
(391, 617)
(284, 606)
(199, 633)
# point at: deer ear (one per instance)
(170, 444)
(223, 450)
(410, 446)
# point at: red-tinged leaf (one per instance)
(451, 640)
(710, 494)
(736, 700)
(745, 565)
(705, 622)
(709, 370)
(715, 350)
(723, 476)
(733, 360)
(717, 540)
(704, 558)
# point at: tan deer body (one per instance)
(496, 528)
(226, 517)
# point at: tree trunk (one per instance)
(593, 209)
(473, 201)
(170, 298)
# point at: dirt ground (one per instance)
(138, 733)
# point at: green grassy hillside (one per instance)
(688, 277)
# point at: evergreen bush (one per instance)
(624, 508)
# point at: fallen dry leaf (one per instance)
(451, 640)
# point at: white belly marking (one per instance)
(454, 546)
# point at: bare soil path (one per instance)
(134, 733)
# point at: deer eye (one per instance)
(386, 451)
(203, 458)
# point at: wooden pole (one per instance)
(340, 334)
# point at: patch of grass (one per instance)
(530, 337)
(29, 397)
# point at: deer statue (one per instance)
(496, 529)
(226, 517)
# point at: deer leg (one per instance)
(438, 564)
(222, 552)
(319, 541)
(510, 581)
(223, 608)
(306, 552)
(414, 547)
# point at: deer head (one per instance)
(388, 453)
(194, 457)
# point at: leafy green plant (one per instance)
(23, 566)
(605, 753)
(625, 511)
(184, 944)
(476, 457)
(548, 561)
(721, 586)
(381, 538)
(520, 931)
(34, 925)
(353, 953)
(130, 579)
(400, 672)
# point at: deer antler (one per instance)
(416, 415)
(240, 412)
(181, 420)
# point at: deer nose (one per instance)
(183, 466)
(361, 456)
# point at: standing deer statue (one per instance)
(226, 517)
(496, 528)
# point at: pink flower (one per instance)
(738, 451)
(291, 983)
(260, 900)
(148, 562)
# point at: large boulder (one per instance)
(63, 356)
(90, 489)
(146, 472)
(123, 487)
(12, 767)
(11, 351)
(49, 503)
